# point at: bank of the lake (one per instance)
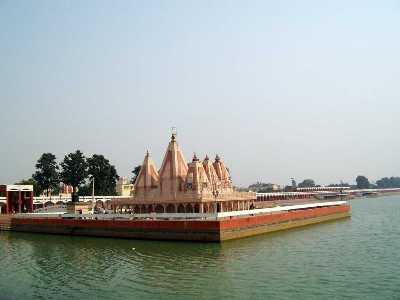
(353, 258)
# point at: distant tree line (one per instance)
(386, 182)
(362, 182)
(75, 170)
(307, 183)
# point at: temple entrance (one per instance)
(19, 202)
(181, 209)
(189, 208)
(17, 198)
(159, 209)
(171, 208)
(3, 208)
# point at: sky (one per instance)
(279, 89)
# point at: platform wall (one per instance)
(193, 230)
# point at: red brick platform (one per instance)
(186, 230)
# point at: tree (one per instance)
(341, 184)
(74, 170)
(36, 189)
(294, 184)
(46, 174)
(392, 182)
(362, 182)
(307, 183)
(105, 175)
(135, 173)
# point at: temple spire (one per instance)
(221, 171)
(148, 176)
(174, 168)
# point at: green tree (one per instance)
(392, 182)
(85, 189)
(74, 170)
(46, 174)
(307, 183)
(36, 189)
(105, 175)
(135, 173)
(362, 182)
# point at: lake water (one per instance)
(357, 258)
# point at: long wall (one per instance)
(193, 230)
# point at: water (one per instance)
(357, 258)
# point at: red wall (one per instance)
(190, 226)
(282, 217)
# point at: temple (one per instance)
(178, 186)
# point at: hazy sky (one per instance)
(280, 89)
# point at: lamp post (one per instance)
(93, 202)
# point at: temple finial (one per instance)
(206, 158)
(173, 134)
(195, 157)
(217, 158)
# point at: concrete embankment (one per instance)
(249, 226)
(186, 230)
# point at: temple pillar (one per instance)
(8, 203)
(31, 201)
(201, 209)
(19, 201)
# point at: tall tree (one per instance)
(46, 174)
(135, 173)
(362, 182)
(74, 170)
(105, 175)
(307, 183)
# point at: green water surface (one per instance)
(357, 258)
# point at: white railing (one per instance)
(55, 199)
(163, 216)
(347, 191)
(375, 190)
